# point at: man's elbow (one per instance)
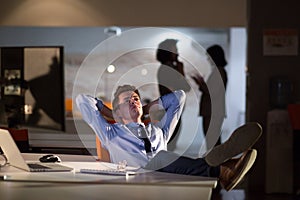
(181, 95)
(79, 99)
(83, 98)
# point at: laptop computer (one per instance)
(14, 157)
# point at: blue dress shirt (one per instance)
(122, 140)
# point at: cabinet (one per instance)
(279, 153)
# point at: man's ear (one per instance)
(117, 115)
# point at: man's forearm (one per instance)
(103, 109)
(146, 108)
(106, 112)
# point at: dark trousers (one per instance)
(170, 162)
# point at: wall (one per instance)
(79, 41)
(201, 13)
(268, 14)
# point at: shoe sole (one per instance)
(242, 139)
(249, 161)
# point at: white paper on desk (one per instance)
(111, 169)
(96, 165)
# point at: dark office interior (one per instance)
(272, 79)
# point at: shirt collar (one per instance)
(135, 125)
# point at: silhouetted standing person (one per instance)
(170, 75)
(217, 55)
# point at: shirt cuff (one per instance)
(99, 104)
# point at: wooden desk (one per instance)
(74, 185)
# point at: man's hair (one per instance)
(164, 51)
(119, 90)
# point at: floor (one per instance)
(240, 194)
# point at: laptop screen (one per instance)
(15, 158)
(11, 150)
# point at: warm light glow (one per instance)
(53, 13)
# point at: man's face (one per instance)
(130, 107)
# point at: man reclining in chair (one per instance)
(146, 146)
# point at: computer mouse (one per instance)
(49, 158)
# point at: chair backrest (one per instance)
(102, 153)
